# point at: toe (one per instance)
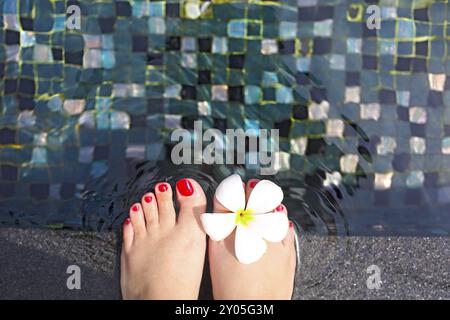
(150, 209)
(128, 234)
(281, 209)
(289, 241)
(192, 201)
(166, 210)
(219, 208)
(137, 219)
(289, 244)
(249, 187)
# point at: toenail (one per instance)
(253, 183)
(291, 224)
(135, 208)
(127, 221)
(279, 208)
(163, 187)
(185, 187)
(148, 199)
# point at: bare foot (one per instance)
(162, 256)
(271, 277)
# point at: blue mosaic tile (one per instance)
(363, 114)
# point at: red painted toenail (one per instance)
(135, 208)
(280, 208)
(148, 199)
(163, 187)
(127, 221)
(253, 183)
(185, 187)
(291, 224)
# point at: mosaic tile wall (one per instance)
(368, 109)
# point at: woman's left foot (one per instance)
(270, 278)
(163, 256)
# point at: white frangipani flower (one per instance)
(254, 221)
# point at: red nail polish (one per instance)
(185, 187)
(148, 199)
(135, 208)
(163, 187)
(253, 183)
(279, 208)
(127, 221)
(291, 224)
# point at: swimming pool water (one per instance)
(364, 114)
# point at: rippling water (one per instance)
(105, 202)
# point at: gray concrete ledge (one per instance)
(33, 264)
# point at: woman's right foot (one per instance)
(271, 277)
(162, 255)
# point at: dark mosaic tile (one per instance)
(283, 127)
(419, 65)
(381, 198)
(435, 98)
(322, 46)
(421, 48)
(123, 9)
(204, 44)
(220, 124)
(67, 190)
(300, 112)
(401, 162)
(315, 146)
(7, 136)
(173, 9)
(369, 62)
(6, 190)
(413, 197)
(12, 37)
(140, 43)
(10, 86)
(26, 23)
(57, 54)
(106, 24)
(26, 103)
(286, 47)
(9, 173)
(173, 43)
(39, 191)
(75, 58)
(189, 92)
(236, 93)
(204, 77)
(421, 14)
(236, 61)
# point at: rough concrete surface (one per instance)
(34, 262)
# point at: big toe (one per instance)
(219, 208)
(192, 202)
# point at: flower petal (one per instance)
(218, 226)
(248, 246)
(272, 226)
(231, 194)
(265, 197)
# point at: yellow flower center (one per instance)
(244, 217)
